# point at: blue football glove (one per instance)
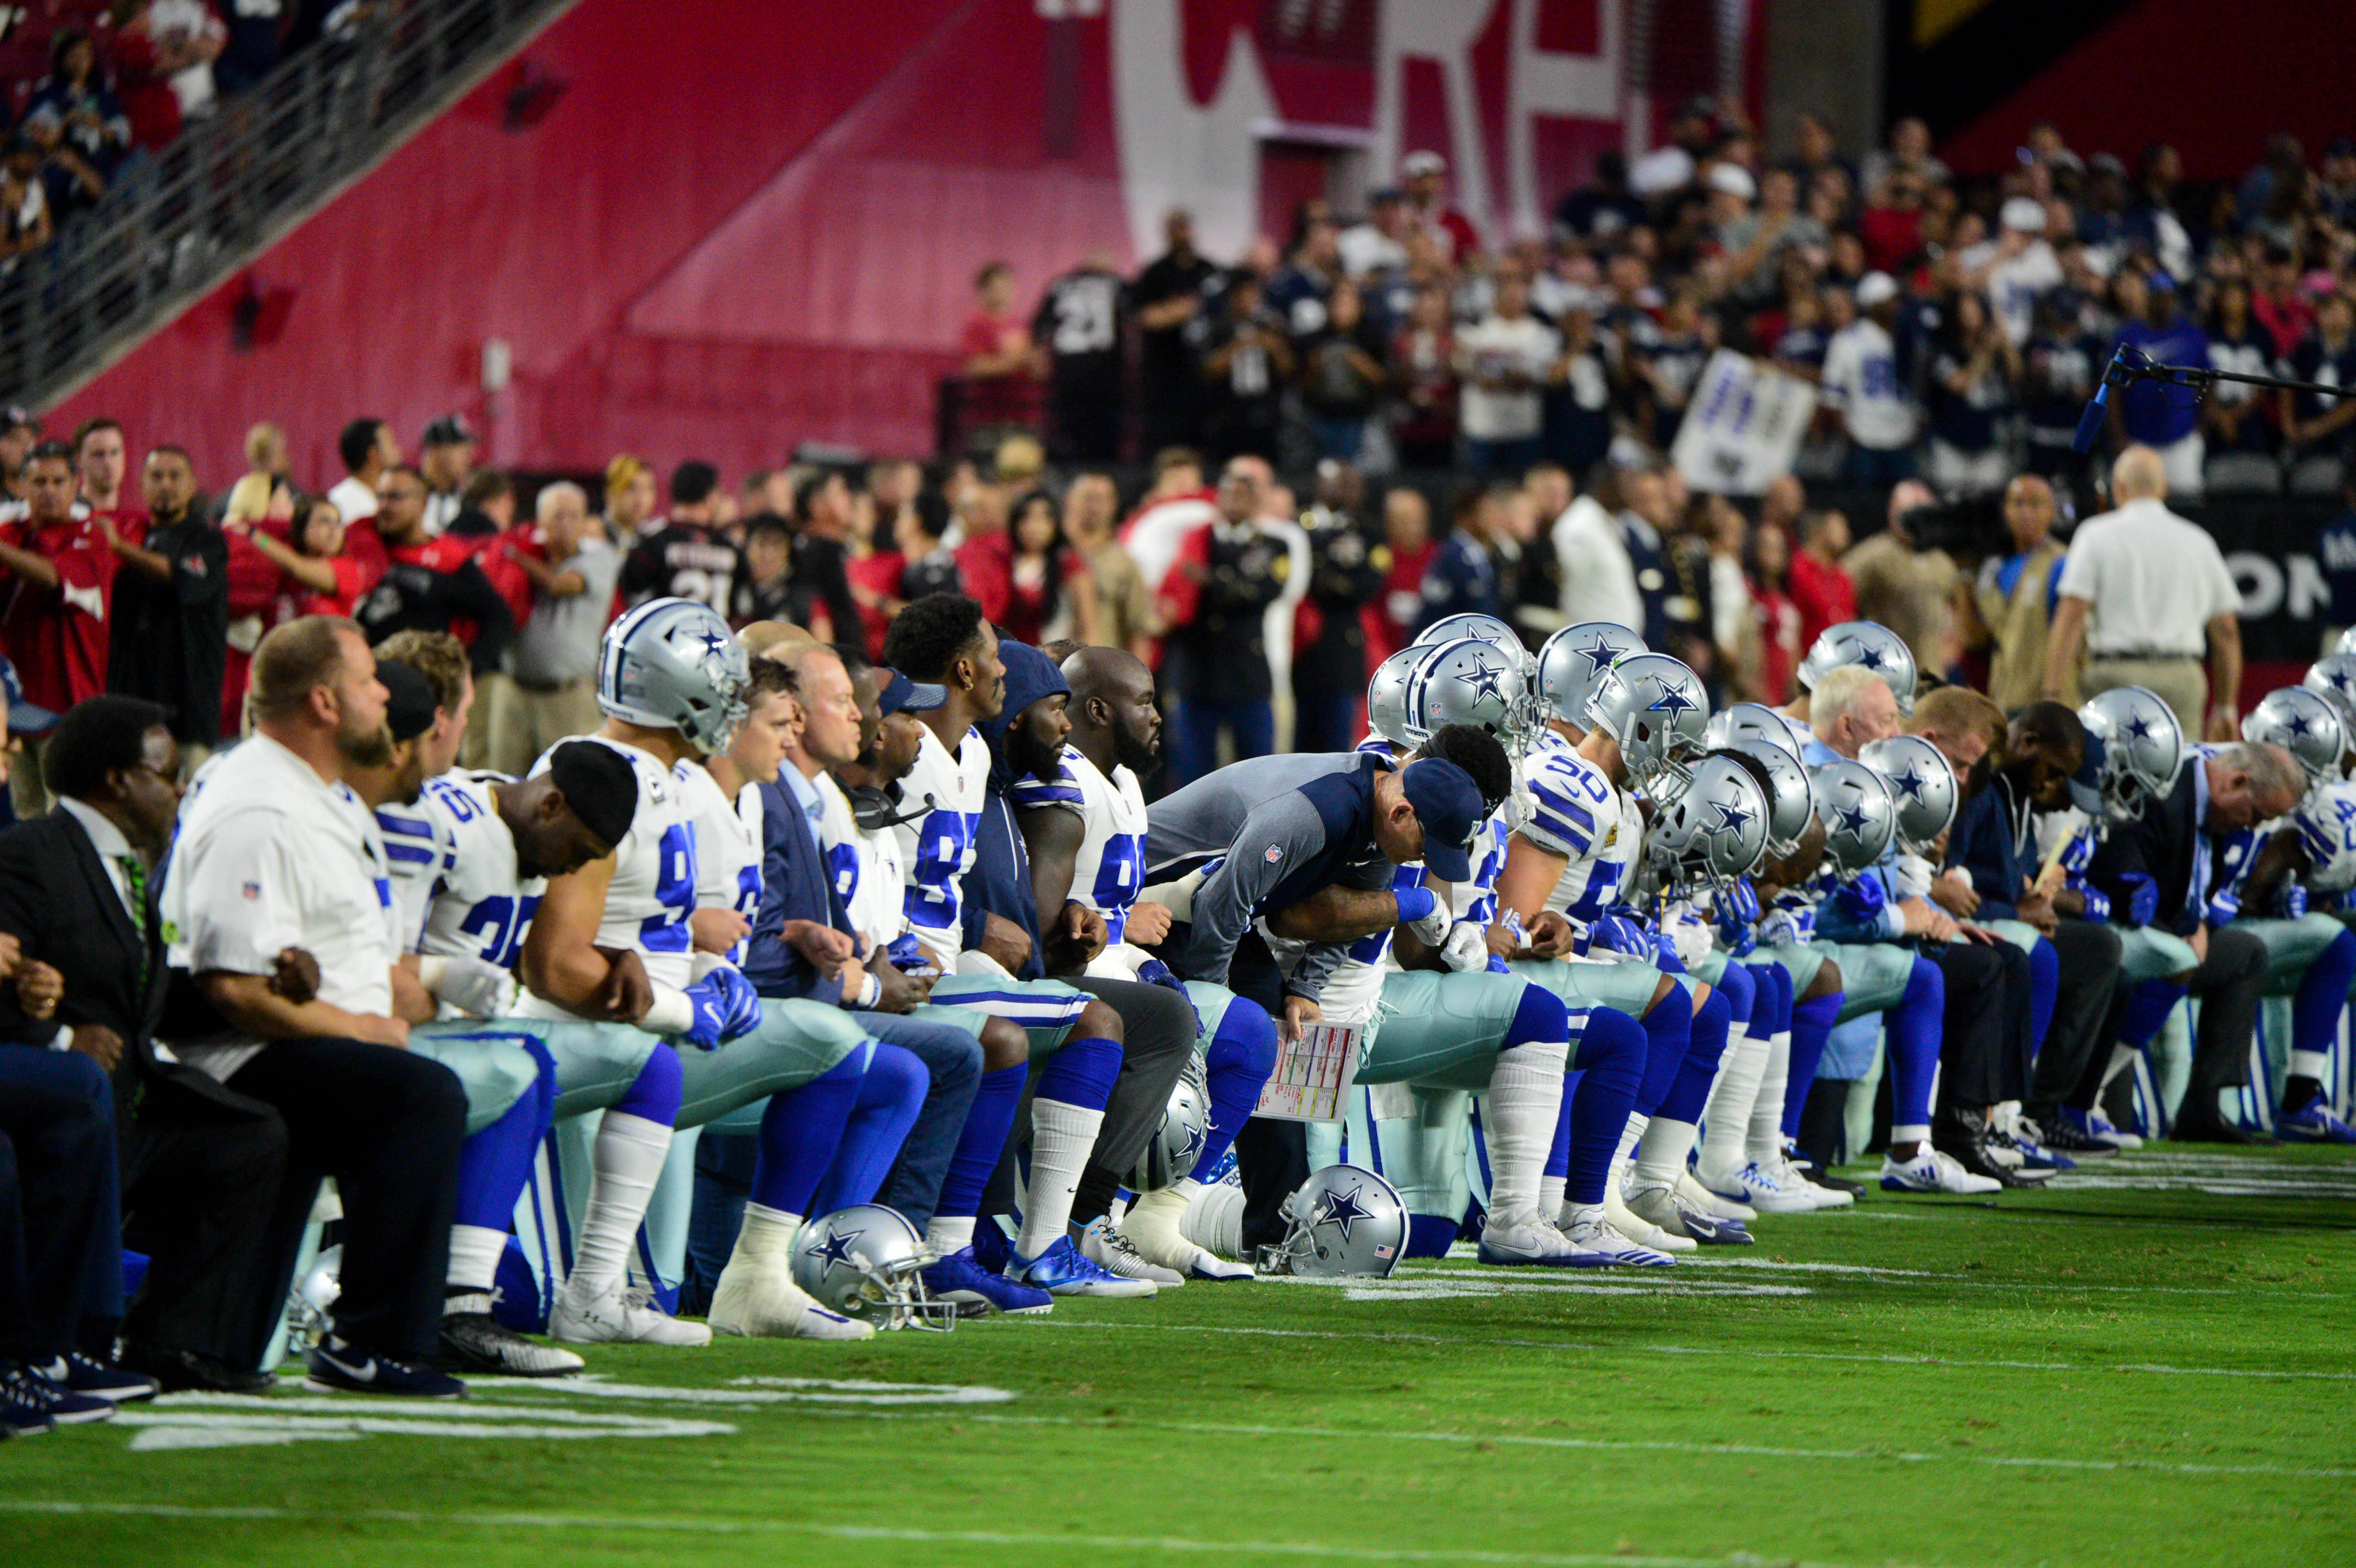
(1414, 903)
(1665, 954)
(1862, 897)
(726, 1007)
(1619, 932)
(1498, 965)
(907, 953)
(2291, 903)
(1738, 911)
(2143, 898)
(1154, 972)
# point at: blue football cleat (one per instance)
(337, 1366)
(63, 1406)
(979, 1293)
(1061, 1271)
(2314, 1124)
(2081, 1132)
(78, 1373)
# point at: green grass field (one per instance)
(2154, 1365)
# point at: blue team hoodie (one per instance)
(999, 882)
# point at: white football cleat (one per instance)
(1640, 1229)
(619, 1317)
(1154, 1226)
(1932, 1171)
(1761, 1189)
(1114, 1253)
(1792, 1176)
(756, 1297)
(1690, 1188)
(1525, 1239)
(1596, 1243)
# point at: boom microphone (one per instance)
(2117, 373)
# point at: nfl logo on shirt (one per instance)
(1274, 854)
(251, 889)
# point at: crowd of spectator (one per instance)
(1952, 327)
(122, 80)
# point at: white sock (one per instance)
(1630, 1137)
(1726, 1116)
(1583, 1214)
(2122, 1058)
(765, 1233)
(2308, 1064)
(947, 1233)
(1551, 1190)
(474, 1256)
(1061, 1135)
(1911, 1134)
(1661, 1152)
(1525, 1100)
(627, 1162)
(1766, 1141)
(1213, 1219)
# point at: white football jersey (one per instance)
(455, 879)
(2327, 827)
(653, 890)
(867, 873)
(937, 848)
(1107, 870)
(1575, 812)
(727, 846)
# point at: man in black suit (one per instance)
(200, 1165)
(2170, 849)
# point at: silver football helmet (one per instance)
(1345, 1223)
(2143, 747)
(867, 1262)
(1742, 722)
(1789, 804)
(2304, 723)
(1714, 831)
(1574, 659)
(1656, 708)
(1922, 783)
(1870, 644)
(1468, 682)
(2347, 643)
(1859, 818)
(2333, 678)
(671, 664)
(1480, 629)
(1386, 695)
(1170, 1153)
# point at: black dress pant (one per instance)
(2089, 955)
(1158, 1028)
(200, 1174)
(1986, 1020)
(59, 1230)
(387, 1125)
(2229, 983)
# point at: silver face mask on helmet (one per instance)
(1656, 709)
(1387, 694)
(1170, 1153)
(1714, 831)
(1790, 807)
(672, 663)
(866, 1262)
(2333, 678)
(1345, 1223)
(2305, 724)
(1868, 644)
(1921, 784)
(2143, 747)
(1467, 682)
(1741, 721)
(1573, 660)
(1860, 819)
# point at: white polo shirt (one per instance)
(270, 856)
(2152, 579)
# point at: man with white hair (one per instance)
(2147, 593)
(550, 693)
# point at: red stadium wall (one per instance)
(758, 226)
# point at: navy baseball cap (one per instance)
(899, 692)
(1448, 805)
(24, 717)
(408, 698)
(2086, 784)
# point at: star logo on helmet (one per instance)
(2137, 727)
(1342, 1209)
(1910, 782)
(1598, 656)
(1852, 821)
(1868, 656)
(712, 641)
(1483, 677)
(1673, 702)
(2337, 678)
(835, 1249)
(1730, 818)
(2301, 725)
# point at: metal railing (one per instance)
(180, 221)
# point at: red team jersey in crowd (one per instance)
(57, 635)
